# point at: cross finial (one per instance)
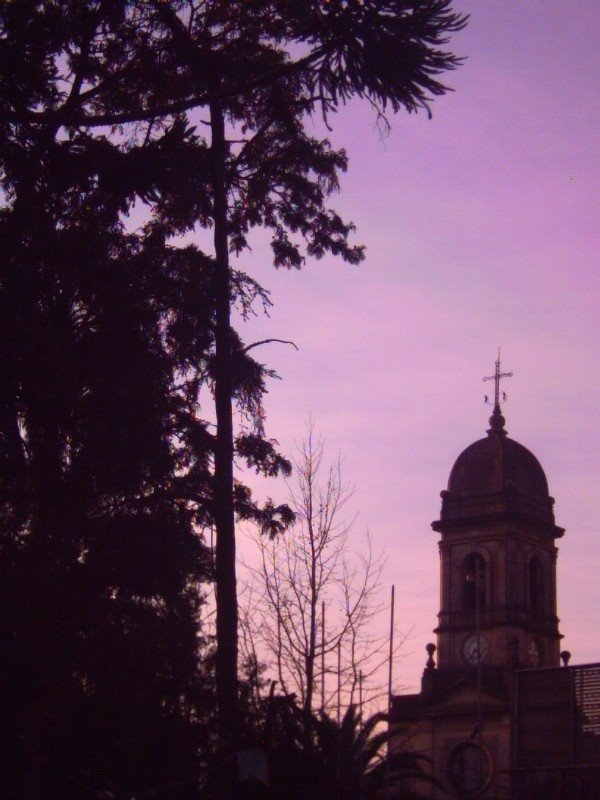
(496, 377)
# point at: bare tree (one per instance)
(312, 612)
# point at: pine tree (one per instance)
(101, 97)
(106, 466)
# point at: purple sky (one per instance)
(481, 231)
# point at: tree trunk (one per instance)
(226, 595)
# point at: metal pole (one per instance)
(323, 657)
(339, 681)
(338, 755)
(387, 763)
(361, 789)
(391, 648)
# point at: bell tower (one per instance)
(497, 557)
(497, 618)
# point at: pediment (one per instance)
(464, 698)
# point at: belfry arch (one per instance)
(474, 582)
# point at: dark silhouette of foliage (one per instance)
(312, 757)
(106, 466)
(111, 337)
(99, 605)
(258, 70)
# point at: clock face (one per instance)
(475, 649)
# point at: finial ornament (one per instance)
(496, 377)
(497, 420)
(431, 648)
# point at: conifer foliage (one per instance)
(113, 337)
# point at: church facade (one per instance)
(498, 649)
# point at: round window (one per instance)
(469, 769)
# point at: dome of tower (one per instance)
(497, 476)
(497, 463)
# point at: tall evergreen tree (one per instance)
(259, 70)
(118, 83)
(106, 466)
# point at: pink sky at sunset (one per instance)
(481, 231)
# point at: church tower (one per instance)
(497, 558)
(497, 620)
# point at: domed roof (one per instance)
(497, 476)
(497, 463)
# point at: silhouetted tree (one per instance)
(259, 70)
(313, 757)
(103, 92)
(102, 684)
(314, 595)
(106, 466)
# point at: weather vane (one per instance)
(496, 377)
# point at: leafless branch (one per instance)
(268, 341)
(321, 560)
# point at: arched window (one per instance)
(536, 585)
(474, 582)
(469, 769)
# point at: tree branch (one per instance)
(268, 341)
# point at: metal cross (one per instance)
(496, 378)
